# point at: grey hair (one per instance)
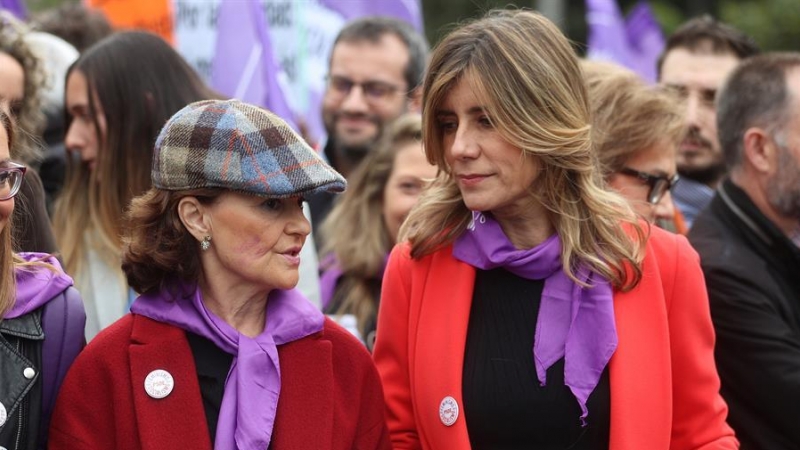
(754, 95)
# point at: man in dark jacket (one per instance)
(749, 242)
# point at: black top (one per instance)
(504, 405)
(213, 365)
(752, 273)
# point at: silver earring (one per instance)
(205, 244)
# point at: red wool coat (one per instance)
(330, 398)
(664, 384)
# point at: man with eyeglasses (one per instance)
(376, 68)
(749, 243)
(695, 62)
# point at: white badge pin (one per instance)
(448, 411)
(3, 415)
(159, 383)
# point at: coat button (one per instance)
(29, 373)
(159, 383)
(3, 415)
(448, 411)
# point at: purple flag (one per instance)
(634, 43)
(15, 7)
(407, 10)
(647, 40)
(244, 64)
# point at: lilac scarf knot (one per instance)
(574, 323)
(250, 400)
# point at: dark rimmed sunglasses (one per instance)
(659, 184)
(11, 179)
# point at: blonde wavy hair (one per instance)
(360, 247)
(528, 78)
(628, 116)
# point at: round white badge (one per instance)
(29, 373)
(3, 415)
(159, 383)
(448, 411)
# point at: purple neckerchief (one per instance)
(37, 285)
(574, 323)
(250, 401)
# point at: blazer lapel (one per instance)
(441, 339)
(178, 419)
(305, 408)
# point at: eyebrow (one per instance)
(472, 111)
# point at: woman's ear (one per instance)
(195, 217)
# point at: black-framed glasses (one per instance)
(659, 184)
(11, 180)
(374, 91)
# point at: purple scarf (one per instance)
(37, 285)
(250, 401)
(574, 323)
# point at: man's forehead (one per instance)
(375, 58)
(703, 69)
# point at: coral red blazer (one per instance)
(664, 384)
(330, 396)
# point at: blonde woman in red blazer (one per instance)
(619, 349)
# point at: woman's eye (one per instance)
(447, 126)
(485, 121)
(4, 177)
(272, 204)
(409, 187)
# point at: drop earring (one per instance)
(205, 244)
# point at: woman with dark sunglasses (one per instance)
(41, 322)
(636, 128)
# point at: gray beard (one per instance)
(783, 189)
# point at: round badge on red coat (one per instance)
(448, 411)
(159, 383)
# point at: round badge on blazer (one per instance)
(29, 373)
(448, 411)
(3, 415)
(159, 383)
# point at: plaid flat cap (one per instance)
(233, 145)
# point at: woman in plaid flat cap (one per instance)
(220, 348)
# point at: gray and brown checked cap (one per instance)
(233, 145)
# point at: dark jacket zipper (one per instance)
(22, 407)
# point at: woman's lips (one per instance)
(292, 256)
(469, 180)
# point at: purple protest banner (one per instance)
(634, 43)
(244, 64)
(407, 10)
(15, 7)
